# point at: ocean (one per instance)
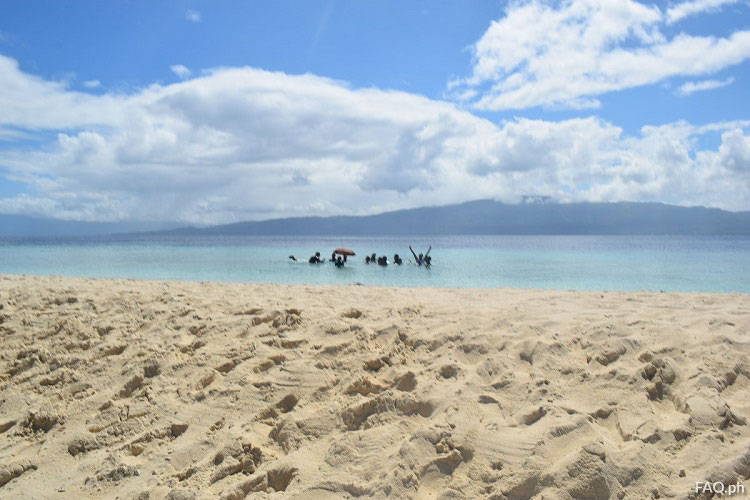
(666, 263)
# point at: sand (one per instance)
(151, 389)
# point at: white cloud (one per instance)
(692, 7)
(92, 84)
(238, 144)
(181, 71)
(564, 54)
(10, 134)
(722, 126)
(193, 16)
(54, 106)
(688, 88)
(734, 152)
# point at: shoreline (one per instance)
(381, 287)
(145, 389)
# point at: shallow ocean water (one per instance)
(669, 263)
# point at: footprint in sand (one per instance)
(449, 371)
(365, 415)
(363, 386)
(352, 314)
(40, 421)
(131, 387)
(406, 382)
(285, 405)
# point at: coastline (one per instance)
(130, 388)
(334, 286)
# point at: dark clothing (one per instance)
(420, 259)
(315, 259)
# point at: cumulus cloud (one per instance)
(690, 8)
(564, 54)
(243, 143)
(193, 16)
(734, 152)
(180, 70)
(55, 107)
(688, 88)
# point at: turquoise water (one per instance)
(669, 263)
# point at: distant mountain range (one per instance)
(491, 217)
(471, 218)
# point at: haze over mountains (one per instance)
(26, 226)
(471, 218)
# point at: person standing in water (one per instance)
(419, 260)
(315, 259)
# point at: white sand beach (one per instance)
(152, 389)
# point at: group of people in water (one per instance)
(383, 260)
(420, 260)
(423, 259)
(317, 259)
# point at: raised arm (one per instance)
(412, 252)
(428, 251)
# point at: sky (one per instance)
(208, 112)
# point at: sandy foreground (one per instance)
(148, 389)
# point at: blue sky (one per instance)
(411, 46)
(209, 112)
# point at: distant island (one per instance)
(483, 217)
